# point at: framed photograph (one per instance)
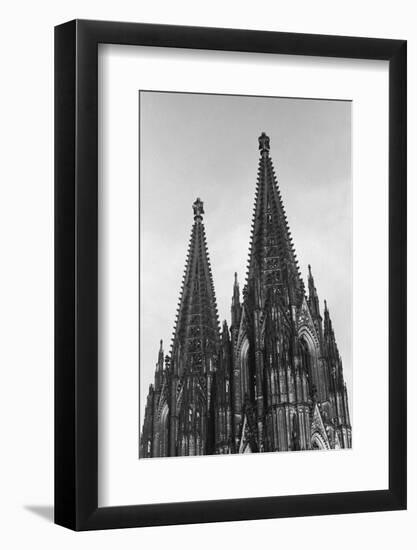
(230, 253)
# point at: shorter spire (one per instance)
(264, 144)
(313, 299)
(225, 328)
(236, 292)
(160, 363)
(198, 208)
(167, 362)
(311, 286)
(225, 332)
(328, 326)
(236, 307)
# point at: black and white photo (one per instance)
(245, 274)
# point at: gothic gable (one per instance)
(248, 443)
(305, 323)
(319, 439)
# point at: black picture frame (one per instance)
(76, 273)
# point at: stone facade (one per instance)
(274, 380)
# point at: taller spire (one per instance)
(196, 334)
(272, 256)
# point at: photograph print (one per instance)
(245, 274)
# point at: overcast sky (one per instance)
(206, 146)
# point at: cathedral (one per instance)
(273, 380)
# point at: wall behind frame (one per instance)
(26, 289)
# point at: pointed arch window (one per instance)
(306, 360)
(244, 363)
(164, 443)
(318, 443)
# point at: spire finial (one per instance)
(309, 270)
(325, 305)
(264, 143)
(236, 278)
(160, 345)
(198, 208)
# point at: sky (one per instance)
(201, 145)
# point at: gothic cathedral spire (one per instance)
(183, 417)
(196, 334)
(285, 398)
(272, 258)
(274, 381)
